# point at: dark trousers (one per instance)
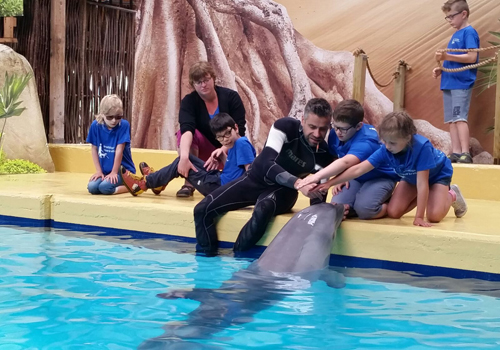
(269, 201)
(204, 181)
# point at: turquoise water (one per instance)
(67, 290)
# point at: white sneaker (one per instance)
(459, 204)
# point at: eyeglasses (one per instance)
(341, 130)
(226, 135)
(450, 17)
(111, 117)
(202, 81)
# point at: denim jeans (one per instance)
(100, 186)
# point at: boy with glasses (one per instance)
(352, 142)
(239, 156)
(457, 86)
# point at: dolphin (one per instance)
(297, 256)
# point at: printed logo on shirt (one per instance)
(455, 41)
(100, 152)
(102, 148)
(296, 159)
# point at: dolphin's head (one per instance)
(305, 242)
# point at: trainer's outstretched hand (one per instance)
(301, 183)
(307, 191)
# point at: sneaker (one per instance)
(465, 158)
(135, 184)
(185, 191)
(454, 157)
(459, 204)
(145, 171)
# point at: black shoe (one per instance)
(454, 157)
(465, 158)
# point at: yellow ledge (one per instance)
(470, 243)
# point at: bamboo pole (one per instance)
(358, 89)
(57, 70)
(399, 88)
(496, 139)
(8, 30)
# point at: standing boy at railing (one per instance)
(457, 86)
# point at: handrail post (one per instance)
(57, 70)
(496, 138)
(399, 87)
(358, 88)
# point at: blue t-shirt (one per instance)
(106, 141)
(362, 145)
(238, 156)
(215, 113)
(465, 38)
(418, 156)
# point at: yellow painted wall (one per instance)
(475, 181)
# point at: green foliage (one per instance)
(489, 78)
(11, 8)
(19, 166)
(12, 89)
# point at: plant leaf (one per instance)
(17, 112)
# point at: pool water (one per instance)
(69, 290)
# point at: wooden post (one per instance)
(496, 138)
(57, 70)
(358, 89)
(8, 30)
(399, 88)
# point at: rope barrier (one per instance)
(470, 66)
(395, 75)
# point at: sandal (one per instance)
(185, 191)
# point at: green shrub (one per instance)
(19, 166)
(11, 8)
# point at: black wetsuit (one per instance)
(268, 185)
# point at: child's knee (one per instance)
(434, 217)
(366, 212)
(107, 187)
(394, 213)
(93, 187)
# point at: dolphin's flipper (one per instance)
(176, 294)
(332, 278)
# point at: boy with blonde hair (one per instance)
(457, 86)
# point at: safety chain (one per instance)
(358, 52)
(470, 66)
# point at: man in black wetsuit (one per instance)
(293, 150)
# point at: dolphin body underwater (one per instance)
(297, 256)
